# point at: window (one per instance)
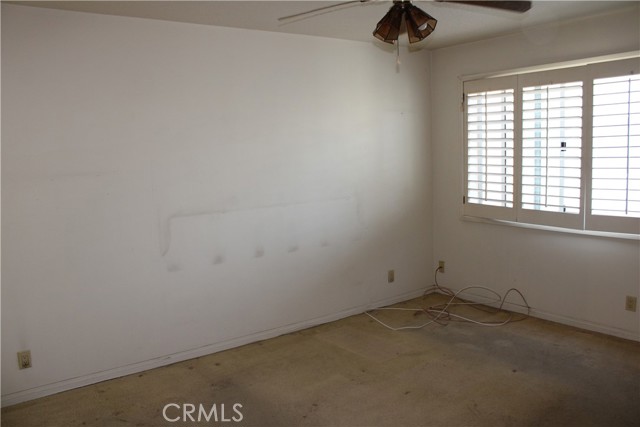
(557, 147)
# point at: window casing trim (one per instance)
(594, 233)
(607, 59)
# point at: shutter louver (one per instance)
(551, 147)
(490, 131)
(615, 184)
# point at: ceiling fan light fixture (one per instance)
(388, 29)
(419, 23)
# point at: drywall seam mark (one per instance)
(166, 225)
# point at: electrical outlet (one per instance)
(391, 276)
(24, 359)
(631, 303)
(441, 266)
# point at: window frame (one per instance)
(586, 73)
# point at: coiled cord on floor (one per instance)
(441, 313)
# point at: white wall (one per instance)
(169, 190)
(575, 279)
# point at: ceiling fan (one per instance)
(403, 14)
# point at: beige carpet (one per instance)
(354, 372)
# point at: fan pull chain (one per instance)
(397, 52)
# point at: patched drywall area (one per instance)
(170, 189)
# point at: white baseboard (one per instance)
(565, 320)
(84, 380)
(396, 299)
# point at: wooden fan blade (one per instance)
(319, 9)
(513, 6)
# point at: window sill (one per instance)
(607, 234)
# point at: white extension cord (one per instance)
(441, 313)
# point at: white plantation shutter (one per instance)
(489, 126)
(616, 147)
(615, 151)
(559, 147)
(490, 148)
(551, 141)
(551, 147)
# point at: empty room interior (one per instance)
(309, 213)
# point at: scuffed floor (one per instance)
(355, 372)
